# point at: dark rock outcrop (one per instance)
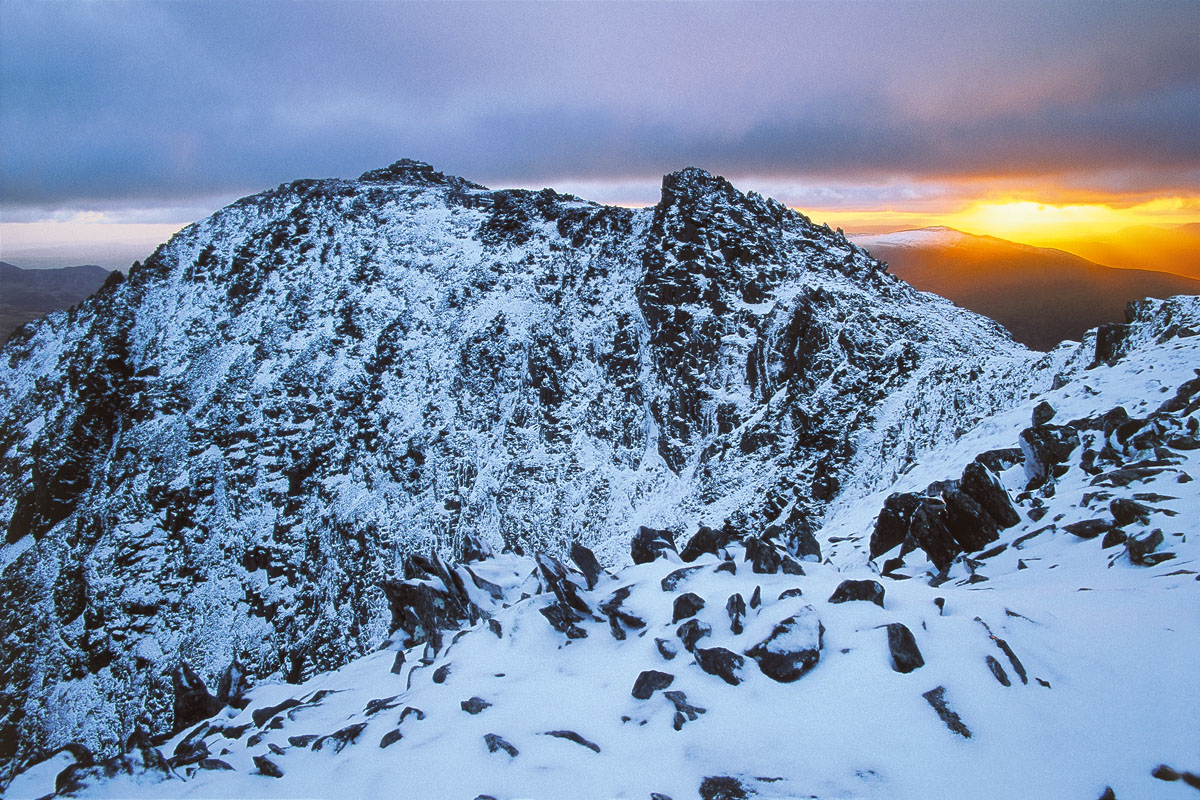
(851, 590)
(792, 649)
(650, 681)
(906, 656)
(725, 664)
(650, 544)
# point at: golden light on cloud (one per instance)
(1036, 223)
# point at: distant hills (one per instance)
(1041, 295)
(1174, 249)
(26, 294)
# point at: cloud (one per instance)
(152, 103)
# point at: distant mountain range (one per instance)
(1175, 249)
(1041, 295)
(26, 294)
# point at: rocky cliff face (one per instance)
(226, 455)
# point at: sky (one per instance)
(122, 121)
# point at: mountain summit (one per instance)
(225, 458)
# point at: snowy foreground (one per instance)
(1054, 665)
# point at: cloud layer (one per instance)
(105, 105)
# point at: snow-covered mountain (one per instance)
(1042, 295)
(225, 466)
(1056, 659)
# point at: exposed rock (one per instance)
(756, 597)
(267, 767)
(442, 673)
(692, 631)
(684, 711)
(723, 663)
(1089, 528)
(496, 743)
(474, 705)
(998, 671)
(1165, 773)
(999, 460)
(735, 607)
(650, 544)
(411, 711)
(686, 605)
(303, 741)
(1141, 548)
(650, 681)
(865, 590)
(1043, 412)
(262, 715)
(937, 699)
(338, 740)
(474, 549)
(572, 736)
(891, 528)
(906, 656)
(563, 618)
(192, 700)
(373, 707)
(214, 764)
(665, 649)
(1128, 512)
(795, 591)
(678, 576)
(1111, 340)
(233, 685)
(1045, 447)
(763, 557)
(705, 540)
(981, 483)
(1113, 538)
(793, 647)
(930, 531)
(390, 738)
(585, 559)
(723, 788)
(398, 663)
(970, 525)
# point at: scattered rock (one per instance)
(705, 540)
(866, 590)
(930, 531)
(650, 544)
(1045, 447)
(572, 736)
(666, 649)
(474, 705)
(649, 682)
(262, 715)
(373, 707)
(214, 764)
(684, 711)
(1141, 548)
(1165, 773)
(677, 577)
(691, 632)
(906, 656)
(722, 788)
(193, 703)
(233, 685)
(1043, 412)
(1127, 512)
(686, 605)
(763, 557)
(937, 699)
(792, 649)
(999, 460)
(398, 663)
(756, 597)
(998, 671)
(969, 523)
(441, 673)
(735, 607)
(723, 663)
(1114, 537)
(411, 711)
(338, 740)
(563, 618)
(795, 591)
(267, 767)
(1089, 528)
(984, 486)
(585, 559)
(496, 743)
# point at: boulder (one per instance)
(930, 531)
(267, 767)
(906, 656)
(692, 631)
(1128, 512)
(891, 527)
(649, 682)
(705, 540)
(684, 711)
(650, 544)
(192, 700)
(764, 558)
(474, 705)
(1043, 412)
(1001, 459)
(865, 590)
(792, 649)
(1141, 548)
(725, 664)
(971, 526)
(998, 671)
(1045, 447)
(585, 559)
(686, 605)
(937, 699)
(677, 577)
(985, 488)
(1089, 528)
(496, 743)
(666, 649)
(722, 787)
(735, 607)
(338, 740)
(233, 686)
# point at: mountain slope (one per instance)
(1054, 663)
(227, 455)
(26, 294)
(1174, 249)
(1042, 296)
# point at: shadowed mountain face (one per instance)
(1042, 296)
(26, 294)
(1175, 250)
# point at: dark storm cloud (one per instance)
(104, 103)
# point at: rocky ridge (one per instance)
(224, 459)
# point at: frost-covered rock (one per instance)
(792, 649)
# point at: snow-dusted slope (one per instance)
(225, 456)
(1057, 662)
